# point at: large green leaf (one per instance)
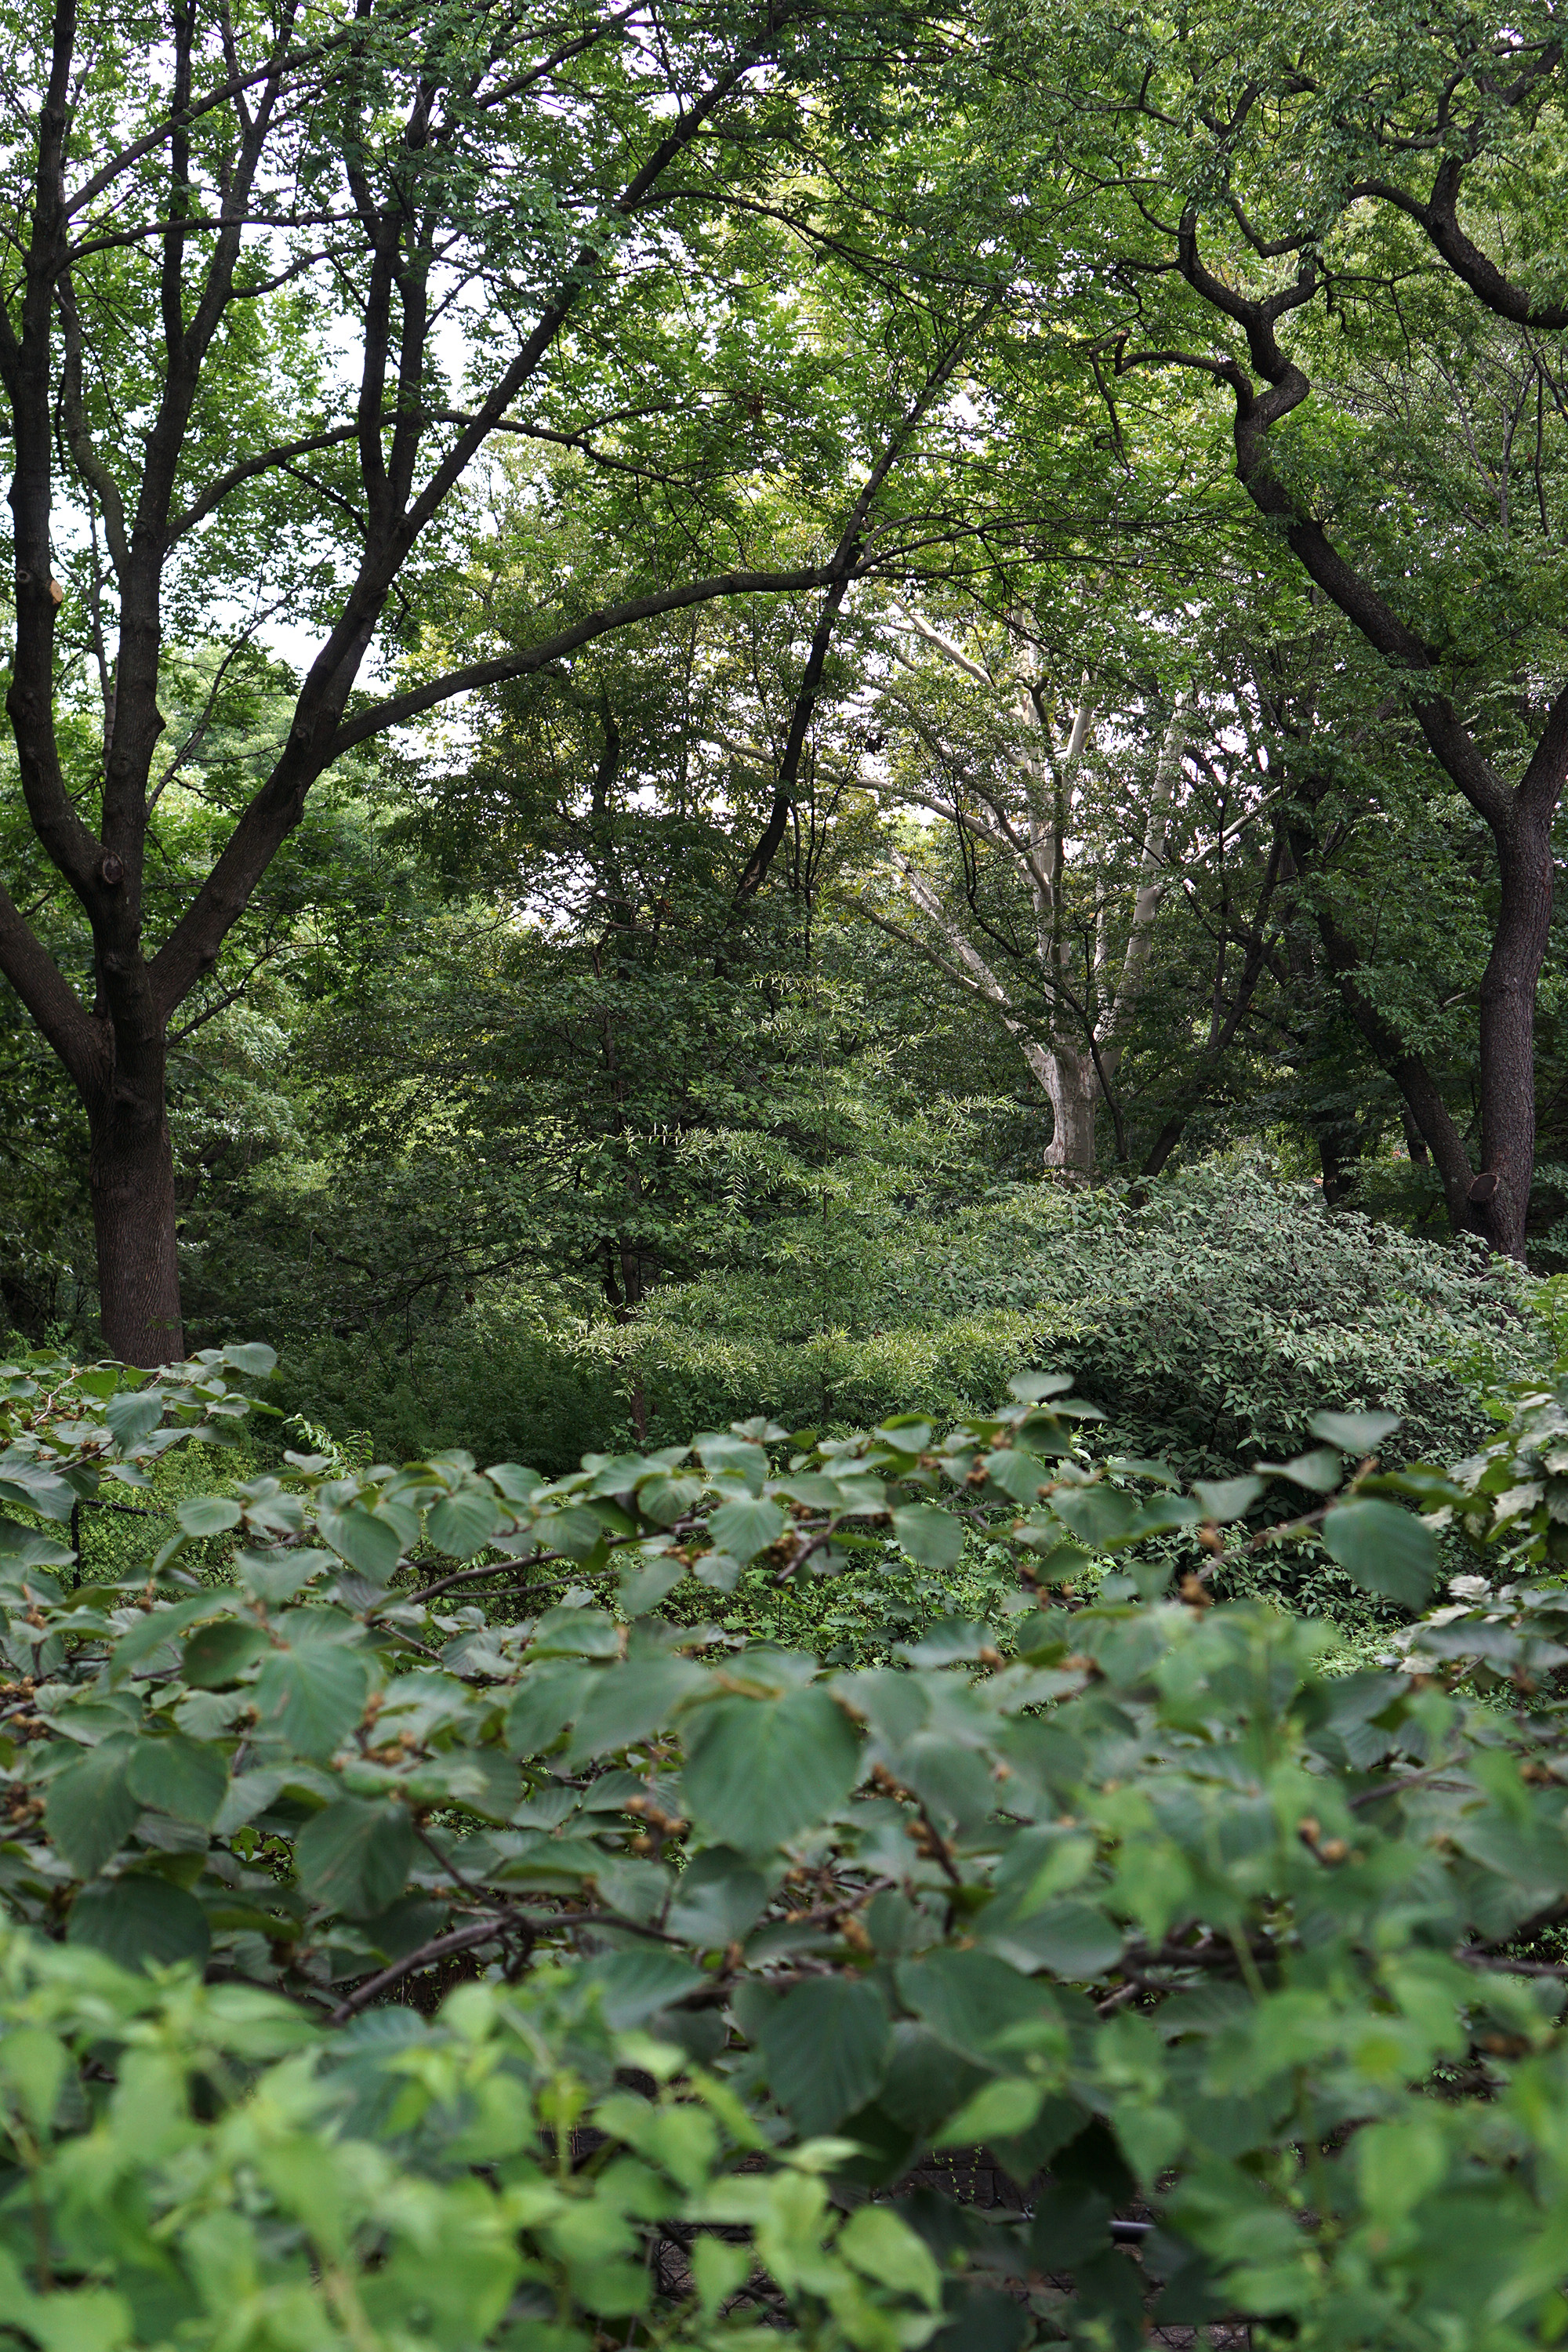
(313, 1696)
(23, 1547)
(970, 1998)
(1226, 1498)
(179, 1776)
(826, 2046)
(207, 1515)
(932, 1536)
(140, 1918)
(219, 1653)
(759, 1771)
(745, 1528)
(1355, 1433)
(1070, 1939)
(625, 1702)
(37, 1490)
(639, 1983)
(354, 1857)
(546, 1701)
(134, 1413)
(1385, 1548)
(462, 1524)
(369, 1545)
(159, 1625)
(89, 1810)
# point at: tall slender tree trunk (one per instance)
(1508, 988)
(131, 1169)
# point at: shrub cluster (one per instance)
(1208, 1947)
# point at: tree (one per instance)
(1303, 200)
(279, 279)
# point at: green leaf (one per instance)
(1226, 1498)
(179, 1776)
(90, 1811)
(462, 1524)
(932, 1536)
(745, 1528)
(251, 1356)
(158, 1626)
(664, 1497)
(313, 1696)
(625, 1702)
(354, 1857)
(641, 1588)
(1100, 1516)
(1033, 1388)
(970, 1998)
(220, 1654)
(1071, 1938)
(207, 1515)
(758, 1771)
(134, 1414)
(38, 1490)
(639, 1983)
(1354, 1432)
(576, 1633)
(887, 2250)
(35, 2062)
(23, 1547)
(826, 2046)
(1384, 1550)
(369, 1545)
(998, 2110)
(546, 1701)
(1321, 1471)
(141, 1917)
(947, 1642)
(273, 1576)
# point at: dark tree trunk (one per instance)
(132, 1174)
(1507, 1028)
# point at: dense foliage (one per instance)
(1124, 1886)
(727, 720)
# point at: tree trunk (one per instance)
(1074, 1090)
(1501, 1194)
(132, 1175)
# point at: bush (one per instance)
(1179, 1930)
(1209, 1323)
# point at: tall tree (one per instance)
(277, 276)
(1310, 200)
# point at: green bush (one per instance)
(1209, 1323)
(1129, 1892)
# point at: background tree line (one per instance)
(646, 645)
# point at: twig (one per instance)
(1500, 1963)
(1392, 1788)
(440, 1947)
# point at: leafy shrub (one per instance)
(1181, 1929)
(1209, 1323)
